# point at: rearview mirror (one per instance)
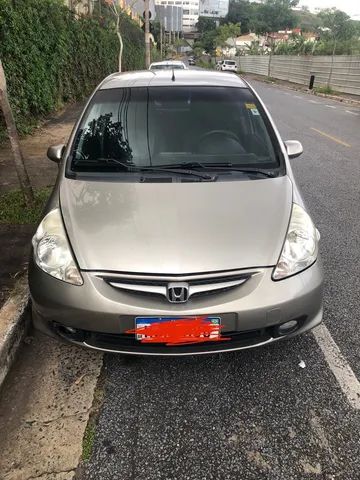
(294, 148)
(55, 152)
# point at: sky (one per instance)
(351, 7)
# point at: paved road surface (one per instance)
(257, 414)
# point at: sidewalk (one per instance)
(15, 239)
(44, 408)
(42, 171)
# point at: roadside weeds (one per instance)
(90, 430)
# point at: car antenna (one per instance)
(173, 75)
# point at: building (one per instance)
(214, 8)
(190, 10)
(240, 45)
(170, 17)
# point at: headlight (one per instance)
(301, 245)
(52, 250)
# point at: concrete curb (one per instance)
(13, 325)
(338, 98)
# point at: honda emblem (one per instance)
(178, 292)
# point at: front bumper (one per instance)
(101, 314)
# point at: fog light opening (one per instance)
(287, 327)
(70, 333)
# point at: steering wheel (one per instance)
(223, 134)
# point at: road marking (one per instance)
(315, 102)
(352, 113)
(334, 139)
(297, 96)
(346, 378)
(330, 106)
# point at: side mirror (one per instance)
(294, 148)
(55, 152)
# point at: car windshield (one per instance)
(169, 66)
(158, 126)
(229, 62)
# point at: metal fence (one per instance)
(341, 72)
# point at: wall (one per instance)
(343, 71)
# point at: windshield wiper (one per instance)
(132, 167)
(179, 171)
(224, 166)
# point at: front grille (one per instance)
(197, 285)
(123, 342)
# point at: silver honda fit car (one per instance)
(175, 226)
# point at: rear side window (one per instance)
(165, 125)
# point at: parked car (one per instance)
(133, 255)
(168, 65)
(228, 66)
(218, 64)
(191, 61)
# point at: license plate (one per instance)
(178, 330)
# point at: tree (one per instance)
(339, 28)
(339, 24)
(243, 12)
(206, 42)
(205, 24)
(117, 12)
(14, 141)
(307, 21)
(226, 31)
(265, 17)
(274, 15)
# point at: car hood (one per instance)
(176, 228)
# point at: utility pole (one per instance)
(161, 41)
(147, 34)
(332, 63)
(14, 141)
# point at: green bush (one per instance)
(51, 57)
(324, 89)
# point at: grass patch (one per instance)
(270, 80)
(88, 441)
(14, 211)
(326, 90)
(90, 430)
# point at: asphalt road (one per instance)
(257, 414)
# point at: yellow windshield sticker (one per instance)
(250, 106)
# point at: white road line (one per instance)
(346, 378)
(315, 102)
(297, 96)
(352, 113)
(330, 106)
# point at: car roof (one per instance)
(145, 78)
